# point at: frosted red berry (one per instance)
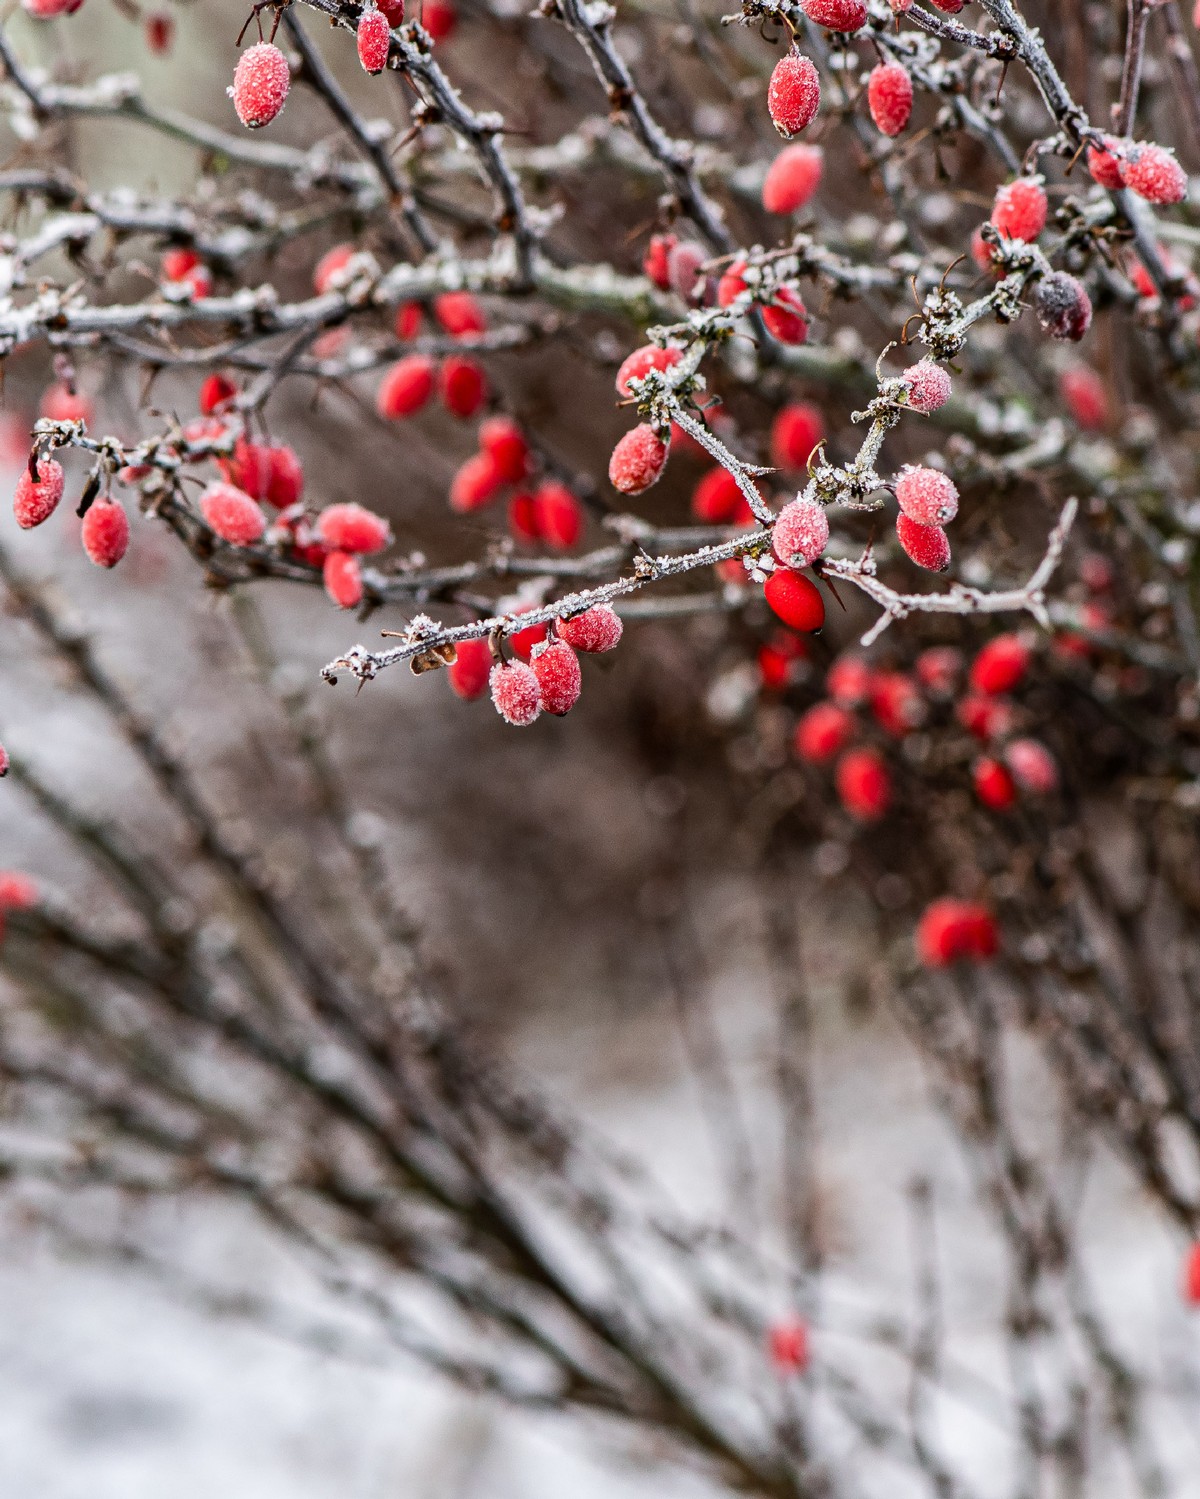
(1085, 396)
(794, 94)
(792, 178)
(232, 514)
(406, 387)
(285, 478)
(890, 97)
(330, 267)
(928, 386)
(374, 41)
(260, 85)
(637, 460)
(463, 385)
(1033, 766)
(216, 393)
(927, 546)
(515, 692)
(717, 499)
(655, 261)
(556, 667)
(475, 484)
(470, 669)
(353, 528)
(341, 573)
(459, 314)
(788, 1345)
(951, 931)
(823, 732)
(641, 362)
(795, 433)
(105, 533)
(1063, 306)
(1105, 165)
(994, 785)
(557, 515)
(800, 533)
(1153, 173)
(836, 15)
(36, 500)
(1000, 665)
(597, 629)
(1019, 211)
(684, 274)
(864, 786)
(796, 600)
(927, 496)
(504, 443)
(785, 317)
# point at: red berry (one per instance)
(1085, 396)
(785, 317)
(984, 716)
(927, 496)
(597, 629)
(393, 11)
(1153, 173)
(1105, 166)
(800, 533)
(927, 546)
(105, 533)
(17, 891)
(523, 641)
(330, 266)
(864, 786)
(795, 433)
(4, 761)
(1033, 766)
(408, 320)
(1063, 306)
(1020, 209)
(285, 478)
(794, 94)
(260, 85)
(515, 692)
(459, 314)
(637, 460)
(1191, 1276)
(938, 668)
(655, 261)
(523, 517)
(993, 785)
(469, 670)
(475, 483)
(890, 97)
(796, 600)
(216, 392)
(731, 284)
(504, 443)
(178, 263)
(776, 659)
(788, 1345)
(160, 30)
(895, 702)
(950, 7)
(560, 681)
(353, 528)
(792, 178)
(557, 515)
(684, 274)
(950, 930)
(848, 681)
(61, 404)
(717, 500)
(642, 361)
(406, 387)
(374, 41)
(46, 10)
(232, 514)
(342, 575)
(439, 19)
(928, 386)
(823, 732)
(249, 468)
(836, 15)
(464, 386)
(36, 501)
(1000, 666)
(983, 254)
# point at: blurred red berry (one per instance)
(952, 930)
(463, 385)
(1000, 665)
(1085, 396)
(795, 433)
(504, 443)
(787, 1342)
(406, 387)
(353, 528)
(823, 732)
(342, 576)
(558, 515)
(785, 317)
(864, 786)
(105, 533)
(792, 178)
(459, 314)
(475, 483)
(993, 784)
(232, 514)
(469, 670)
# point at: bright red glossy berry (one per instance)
(1033, 766)
(785, 317)
(515, 692)
(470, 669)
(353, 528)
(792, 178)
(406, 387)
(504, 443)
(994, 786)
(463, 385)
(374, 41)
(890, 97)
(1019, 211)
(800, 533)
(637, 460)
(927, 546)
(788, 1345)
(597, 629)
(36, 500)
(823, 732)
(1153, 173)
(341, 573)
(1001, 665)
(1063, 306)
(216, 393)
(558, 515)
(795, 433)
(105, 533)
(1105, 166)
(927, 496)
(951, 931)
(260, 85)
(794, 94)
(560, 681)
(641, 362)
(836, 15)
(796, 600)
(459, 314)
(475, 484)
(928, 386)
(864, 786)
(232, 514)
(1085, 396)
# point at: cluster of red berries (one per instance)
(1148, 170)
(784, 314)
(183, 267)
(928, 500)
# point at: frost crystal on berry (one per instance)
(374, 41)
(801, 533)
(1020, 209)
(515, 692)
(353, 528)
(1153, 173)
(890, 97)
(1105, 165)
(836, 15)
(597, 629)
(36, 500)
(637, 460)
(556, 667)
(105, 533)
(1063, 306)
(927, 546)
(341, 573)
(641, 362)
(928, 386)
(927, 496)
(794, 94)
(260, 85)
(232, 514)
